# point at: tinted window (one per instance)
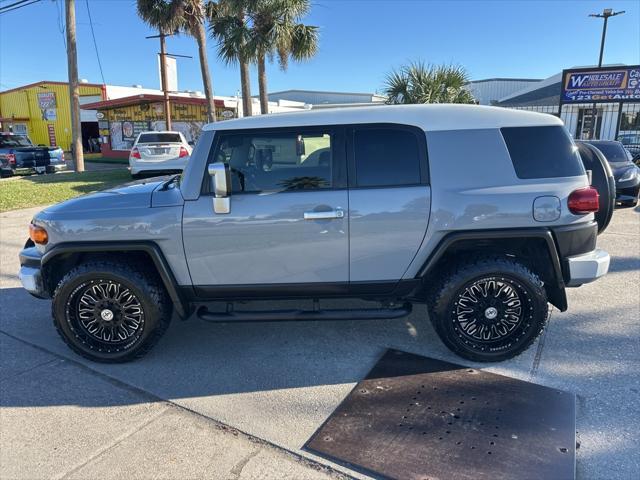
(542, 152)
(277, 162)
(613, 152)
(386, 157)
(14, 141)
(159, 138)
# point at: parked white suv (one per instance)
(159, 153)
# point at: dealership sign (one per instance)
(609, 84)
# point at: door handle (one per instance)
(326, 215)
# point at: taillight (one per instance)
(183, 152)
(11, 157)
(584, 200)
(135, 153)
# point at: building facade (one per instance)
(42, 110)
(615, 116)
(121, 120)
(491, 90)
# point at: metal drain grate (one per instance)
(418, 418)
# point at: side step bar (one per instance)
(295, 315)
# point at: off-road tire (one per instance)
(499, 285)
(135, 282)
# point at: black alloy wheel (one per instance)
(111, 311)
(490, 309)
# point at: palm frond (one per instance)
(418, 82)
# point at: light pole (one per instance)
(606, 13)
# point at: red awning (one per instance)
(146, 98)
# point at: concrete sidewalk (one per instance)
(96, 427)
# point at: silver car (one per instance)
(159, 153)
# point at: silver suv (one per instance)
(485, 214)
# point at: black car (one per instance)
(631, 142)
(626, 174)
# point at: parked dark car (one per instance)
(19, 155)
(626, 174)
(631, 142)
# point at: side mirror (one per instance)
(191, 143)
(220, 184)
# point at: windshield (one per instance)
(15, 141)
(614, 152)
(159, 138)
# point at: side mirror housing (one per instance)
(221, 186)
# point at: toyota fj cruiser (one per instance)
(485, 214)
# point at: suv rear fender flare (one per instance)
(150, 248)
(555, 286)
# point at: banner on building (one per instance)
(607, 84)
(52, 135)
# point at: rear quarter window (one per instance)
(542, 152)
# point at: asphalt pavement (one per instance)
(209, 395)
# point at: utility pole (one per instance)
(74, 91)
(163, 80)
(606, 13)
(163, 77)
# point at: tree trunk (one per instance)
(245, 82)
(262, 85)
(201, 38)
(74, 91)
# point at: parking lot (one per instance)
(240, 400)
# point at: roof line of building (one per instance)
(50, 82)
(505, 79)
(324, 91)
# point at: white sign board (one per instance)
(172, 73)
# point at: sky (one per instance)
(360, 42)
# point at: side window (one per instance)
(277, 162)
(386, 157)
(542, 152)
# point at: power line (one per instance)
(13, 4)
(17, 5)
(95, 44)
(61, 26)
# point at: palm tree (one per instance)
(276, 30)
(420, 83)
(228, 23)
(187, 16)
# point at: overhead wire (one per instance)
(95, 44)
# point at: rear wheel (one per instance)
(489, 310)
(110, 312)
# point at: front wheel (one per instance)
(110, 311)
(490, 309)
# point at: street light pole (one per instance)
(606, 13)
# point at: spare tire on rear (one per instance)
(602, 180)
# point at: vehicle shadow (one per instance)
(624, 264)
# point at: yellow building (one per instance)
(42, 111)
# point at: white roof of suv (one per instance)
(427, 117)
